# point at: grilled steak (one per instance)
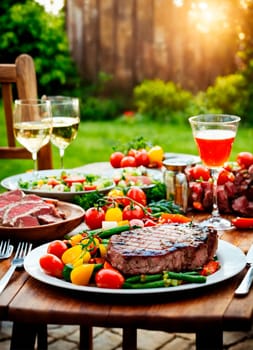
(169, 247)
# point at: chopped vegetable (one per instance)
(243, 223)
(210, 268)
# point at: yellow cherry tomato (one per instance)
(72, 254)
(156, 154)
(113, 214)
(81, 274)
(115, 193)
(76, 239)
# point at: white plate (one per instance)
(11, 183)
(182, 157)
(231, 258)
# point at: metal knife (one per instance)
(245, 285)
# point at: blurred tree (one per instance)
(25, 27)
(245, 52)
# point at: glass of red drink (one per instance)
(214, 135)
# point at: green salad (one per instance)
(66, 182)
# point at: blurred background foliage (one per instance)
(25, 27)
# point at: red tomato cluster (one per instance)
(152, 158)
(131, 206)
(133, 158)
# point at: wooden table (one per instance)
(207, 312)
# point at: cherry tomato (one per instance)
(74, 179)
(133, 211)
(94, 217)
(52, 265)
(128, 161)
(119, 197)
(244, 159)
(89, 187)
(200, 172)
(57, 248)
(225, 176)
(109, 278)
(132, 152)
(142, 158)
(116, 158)
(137, 194)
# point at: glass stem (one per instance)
(61, 156)
(215, 174)
(34, 157)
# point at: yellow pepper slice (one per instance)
(76, 239)
(81, 274)
(72, 254)
(103, 250)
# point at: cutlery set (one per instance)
(6, 250)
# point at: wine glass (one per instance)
(32, 124)
(65, 112)
(214, 135)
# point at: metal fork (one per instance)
(6, 249)
(22, 250)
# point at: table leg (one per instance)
(42, 337)
(86, 342)
(129, 341)
(23, 336)
(211, 339)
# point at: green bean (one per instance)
(144, 278)
(114, 230)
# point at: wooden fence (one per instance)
(133, 40)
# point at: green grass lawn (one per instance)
(95, 141)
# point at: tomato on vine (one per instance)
(94, 217)
(138, 195)
(128, 161)
(133, 211)
(116, 158)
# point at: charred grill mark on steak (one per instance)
(155, 249)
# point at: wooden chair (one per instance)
(23, 75)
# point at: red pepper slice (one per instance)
(210, 268)
(242, 223)
(176, 218)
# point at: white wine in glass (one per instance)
(65, 111)
(214, 135)
(32, 124)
